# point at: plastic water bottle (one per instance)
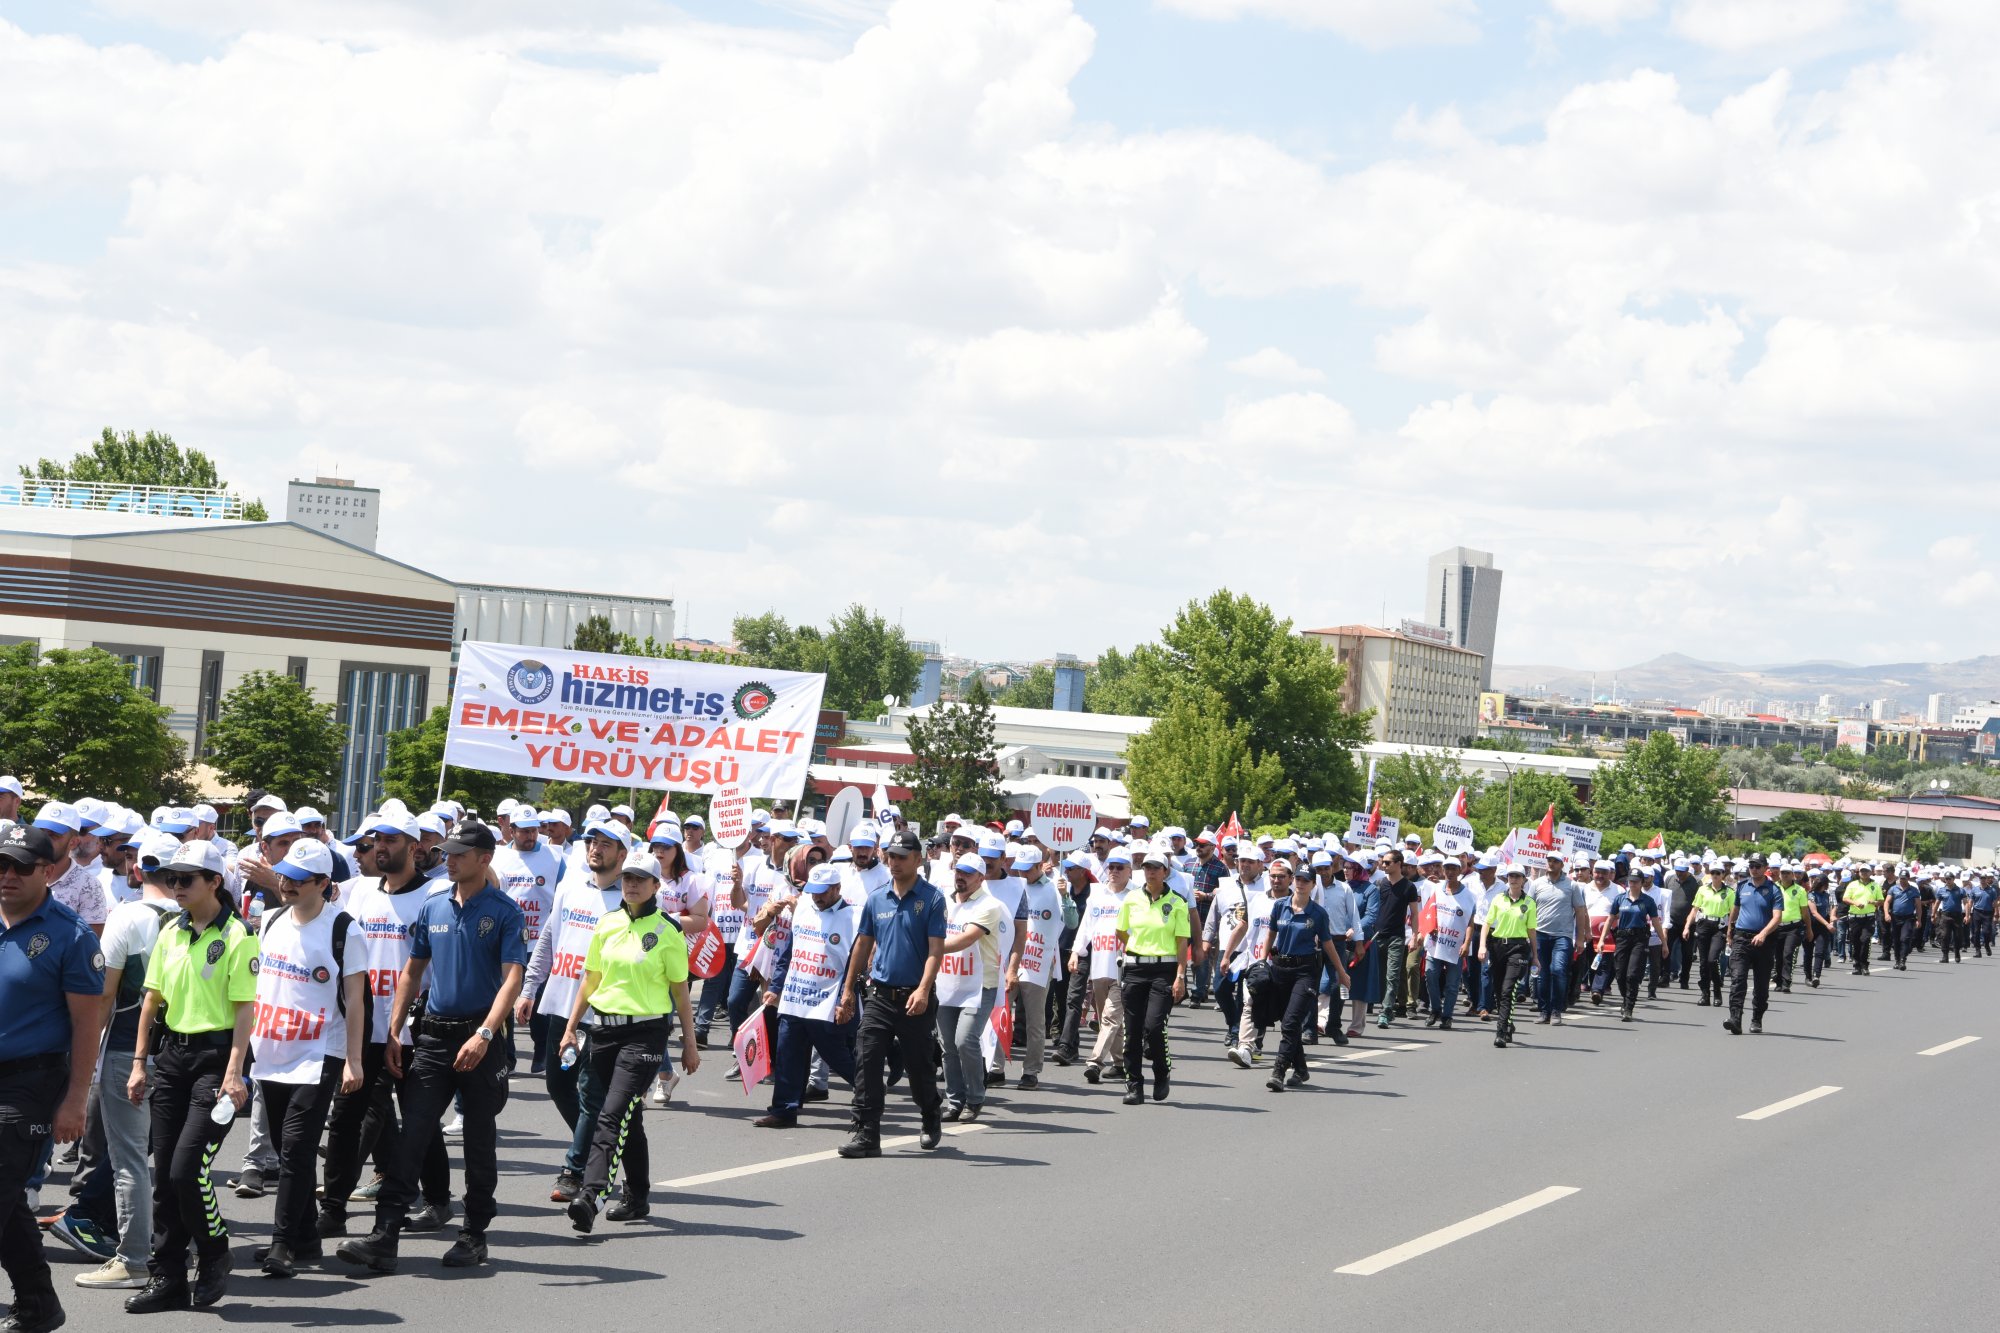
(224, 1110)
(569, 1058)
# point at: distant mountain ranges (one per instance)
(1686, 681)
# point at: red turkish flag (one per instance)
(1003, 1025)
(1233, 829)
(1458, 804)
(1546, 834)
(1658, 844)
(753, 1052)
(660, 816)
(1375, 819)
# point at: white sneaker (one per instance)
(1239, 1057)
(456, 1129)
(113, 1272)
(663, 1090)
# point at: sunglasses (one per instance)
(178, 879)
(364, 847)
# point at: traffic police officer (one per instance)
(472, 944)
(51, 975)
(635, 973)
(1506, 944)
(1153, 934)
(202, 975)
(898, 946)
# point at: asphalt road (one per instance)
(1637, 1191)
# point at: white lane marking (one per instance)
(1778, 1108)
(1506, 1212)
(759, 1168)
(1949, 1046)
(1380, 1050)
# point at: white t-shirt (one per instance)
(821, 942)
(116, 889)
(688, 894)
(1454, 924)
(1098, 931)
(385, 920)
(759, 887)
(962, 973)
(299, 1022)
(1041, 954)
(573, 920)
(530, 879)
(1257, 939)
(1010, 892)
(856, 884)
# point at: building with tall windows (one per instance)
(1462, 598)
(193, 600)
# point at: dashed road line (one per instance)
(1422, 1245)
(1779, 1108)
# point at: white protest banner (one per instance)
(1579, 841)
(652, 722)
(1062, 818)
(729, 817)
(1452, 835)
(1388, 826)
(1529, 850)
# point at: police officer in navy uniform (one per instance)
(51, 978)
(472, 944)
(897, 949)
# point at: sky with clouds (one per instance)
(1029, 321)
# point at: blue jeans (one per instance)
(745, 994)
(959, 1030)
(714, 995)
(1441, 980)
(798, 1040)
(1552, 991)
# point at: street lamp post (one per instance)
(1936, 785)
(1510, 789)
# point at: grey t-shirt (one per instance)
(1556, 901)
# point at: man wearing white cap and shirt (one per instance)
(1011, 892)
(10, 799)
(528, 873)
(69, 883)
(1097, 941)
(364, 1122)
(864, 872)
(1039, 962)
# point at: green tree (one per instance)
(270, 732)
(594, 634)
(1828, 830)
(1923, 844)
(864, 657)
(1037, 689)
(954, 769)
(1663, 784)
(1194, 766)
(1533, 793)
(411, 771)
(131, 459)
(72, 724)
(1231, 652)
(1417, 788)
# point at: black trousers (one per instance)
(1709, 939)
(1982, 934)
(362, 1124)
(886, 1024)
(28, 1101)
(1687, 951)
(1747, 963)
(1077, 993)
(298, 1117)
(1509, 960)
(1903, 934)
(1791, 935)
(1860, 934)
(185, 1083)
(1148, 992)
(1629, 963)
(625, 1061)
(430, 1085)
(1300, 988)
(1951, 938)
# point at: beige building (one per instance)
(1423, 692)
(194, 604)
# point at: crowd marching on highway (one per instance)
(360, 1003)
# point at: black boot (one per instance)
(211, 1281)
(161, 1292)
(629, 1207)
(1135, 1094)
(375, 1251)
(865, 1143)
(34, 1314)
(1161, 1084)
(468, 1251)
(276, 1260)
